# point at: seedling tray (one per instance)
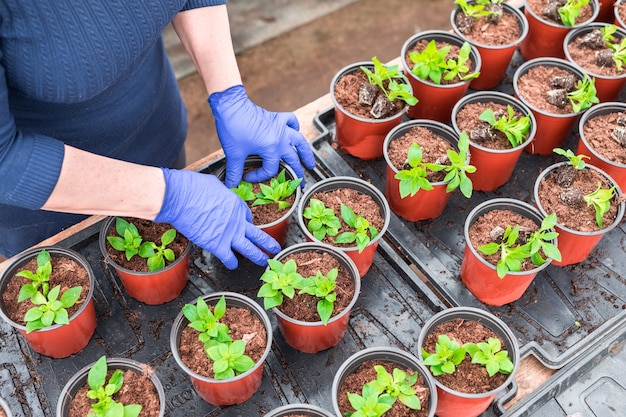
(393, 305)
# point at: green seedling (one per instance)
(50, 309)
(576, 161)
(571, 10)
(364, 232)
(432, 63)
(388, 75)
(475, 9)
(398, 385)
(414, 179)
(540, 241)
(157, 254)
(618, 48)
(322, 220)
(448, 354)
(600, 199)
(515, 128)
(277, 191)
(280, 280)
(229, 359)
(491, 356)
(370, 403)
(512, 255)
(201, 319)
(39, 279)
(103, 391)
(323, 287)
(584, 96)
(244, 191)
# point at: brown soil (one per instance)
(538, 7)
(467, 120)
(242, 324)
(597, 132)
(433, 148)
(534, 86)
(150, 232)
(575, 216)
(480, 232)
(65, 272)
(366, 373)
(137, 389)
(621, 11)
(452, 54)
(504, 32)
(585, 56)
(362, 205)
(468, 377)
(303, 307)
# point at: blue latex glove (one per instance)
(213, 217)
(246, 129)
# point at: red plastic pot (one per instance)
(545, 38)
(359, 136)
(313, 337)
(451, 403)
(363, 260)
(605, 14)
(425, 204)
(494, 167)
(552, 128)
(480, 276)
(575, 246)
(615, 169)
(236, 390)
(155, 287)
(608, 87)
(495, 58)
(57, 341)
(435, 101)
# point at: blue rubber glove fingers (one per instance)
(246, 129)
(213, 217)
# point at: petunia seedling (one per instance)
(103, 391)
(363, 232)
(433, 64)
(584, 94)
(40, 279)
(600, 199)
(157, 254)
(491, 356)
(515, 128)
(385, 77)
(229, 359)
(570, 11)
(448, 354)
(280, 279)
(322, 220)
(398, 384)
(323, 287)
(576, 161)
(207, 322)
(279, 189)
(370, 403)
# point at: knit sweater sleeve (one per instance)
(194, 4)
(30, 164)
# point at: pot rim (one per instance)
(548, 62)
(337, 182)
(288, 409)
(521, 205)
(343, 258)
(448, 37)
(348, 69)
(516, 11)
(505, 98)
(595, 9)
(620, 208)
(616, 12)
(22, 258)
(600, 110)
(251, 305)
(485, 317)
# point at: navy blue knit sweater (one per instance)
(90, 73)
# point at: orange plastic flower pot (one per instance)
(605, 14)
(236, 390)
(57, 341)
(479, 276)
(575, 245)
(435, 100)
(494, 167)
(313, 337)
(495, 58)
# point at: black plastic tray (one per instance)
(393, 305)
(562, 311)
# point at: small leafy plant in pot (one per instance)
(299, 410)
(347, 213)
(600, 50)
(440, 66)
(271, 202)
(556, 91)
(477, 357)
(119, 387)
(221, 342)
(495, 28)
(311, 288)
(369, 99)
(426, 161)
(46, 293)
(507, 242)
(383, 380)
(549, 21)
(151, 259)
(602, 131)
(587, 201)
(499, 128)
